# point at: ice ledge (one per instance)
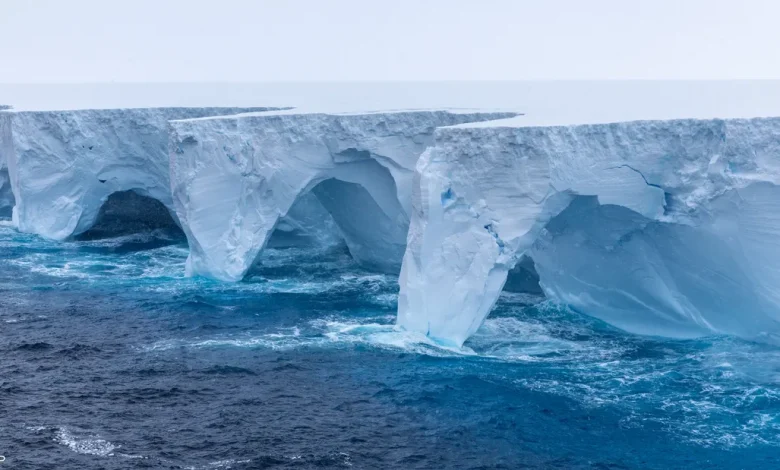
(502, 114)
(489, 193)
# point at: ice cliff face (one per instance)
(6, 194)
(63, 165)
(233, 178)
(658, 227)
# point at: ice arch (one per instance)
(234, 177)
(63, 165)
(488, 195)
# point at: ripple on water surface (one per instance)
(113, 356)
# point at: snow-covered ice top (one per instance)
(658, 227)
(233, 177)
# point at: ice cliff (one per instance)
(658, 227)
(234, 177)
(63, 165)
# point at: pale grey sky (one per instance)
(264, 40)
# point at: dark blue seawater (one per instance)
(110, 358)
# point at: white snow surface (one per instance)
(658, 227)
(63, 165)
(234, 177)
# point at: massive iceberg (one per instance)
(234, 177)
(657, 227)
(63, 165)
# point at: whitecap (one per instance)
(226, 464)
(92, 445)
(504, 339)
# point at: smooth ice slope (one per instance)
(63, 165)
(234, 177)
(658, 227)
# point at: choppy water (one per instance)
(110, 358)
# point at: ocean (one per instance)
(112, 359)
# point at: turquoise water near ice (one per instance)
(111, 358)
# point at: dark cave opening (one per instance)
(523, 278)
(127, 213)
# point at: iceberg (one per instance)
(233, 179)
(666, 227)
(657, 227)
(62, 166)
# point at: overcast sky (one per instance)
(259, 40)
